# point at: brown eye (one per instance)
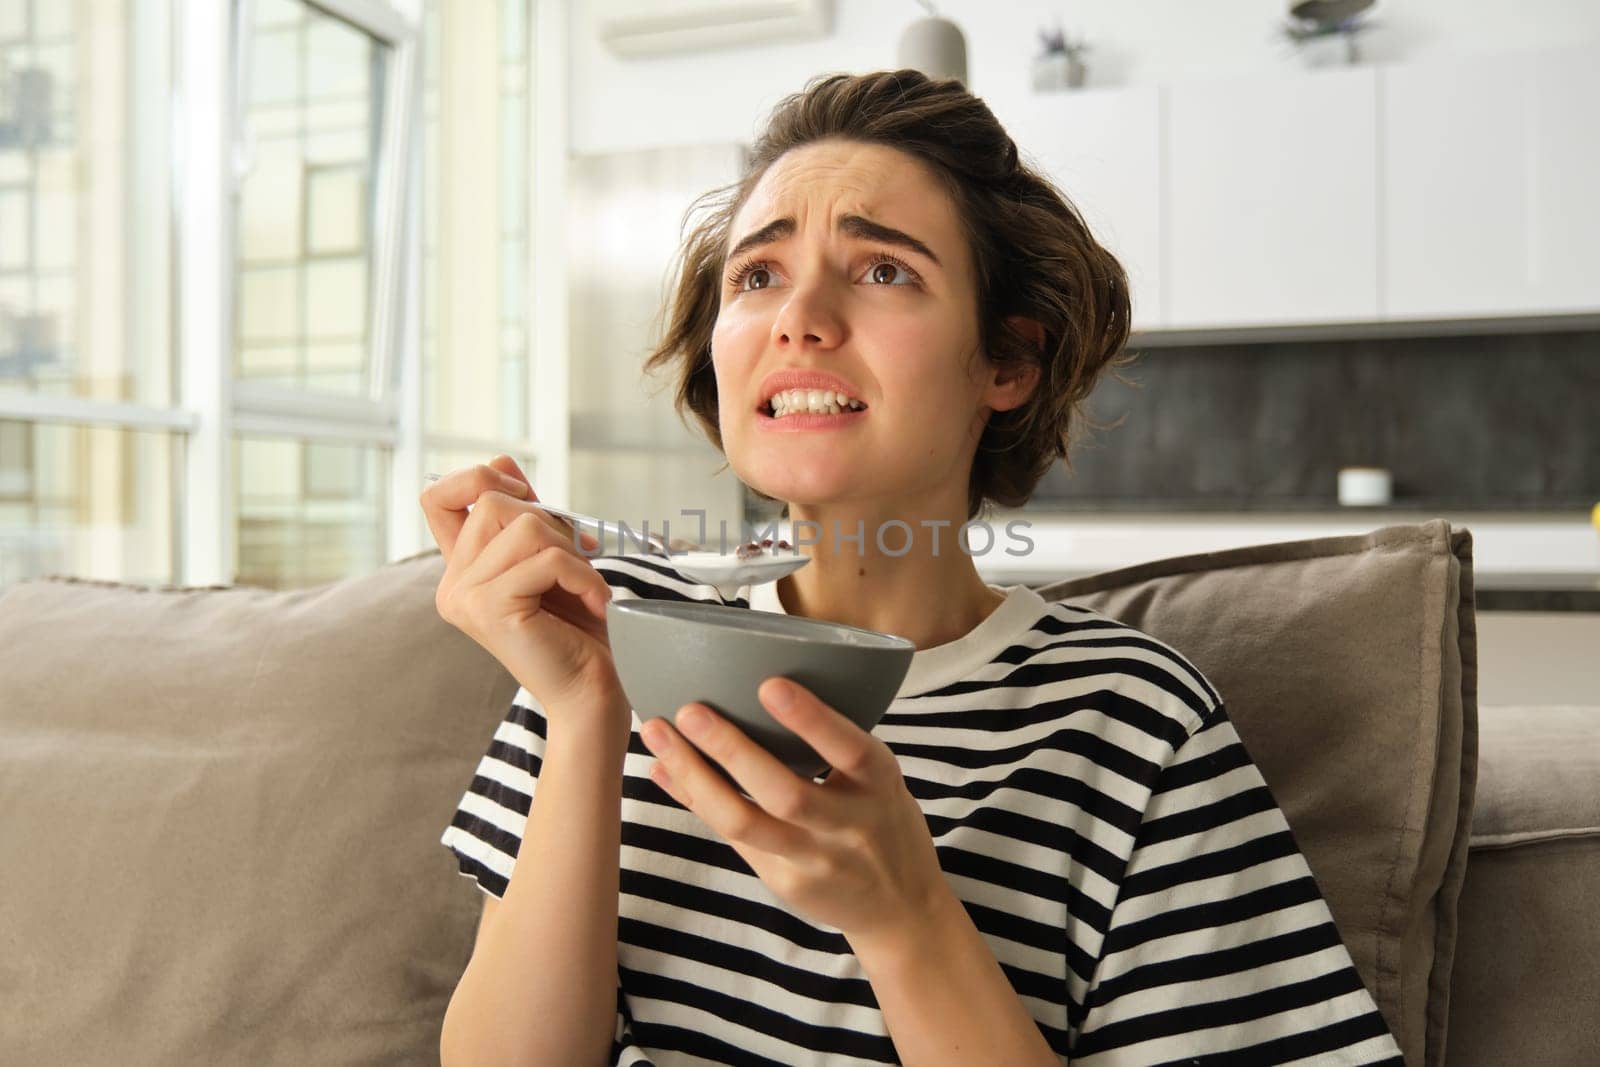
(757, 272)
(879, 275)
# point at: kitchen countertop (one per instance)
(1198, 506)
(1547, 563)
(1537, 591)
(1493, 591)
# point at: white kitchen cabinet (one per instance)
(1456, 188)
(1454, 150)
(1271, 200)
(1564, 182)
(1102, 147)
(1490, 170)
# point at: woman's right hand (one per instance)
(515, 584)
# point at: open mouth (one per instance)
(809, 402)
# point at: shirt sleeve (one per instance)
(485, 834)
(486, 831)
(1220, 947)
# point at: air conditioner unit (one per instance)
(655, 27)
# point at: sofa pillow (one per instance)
(1524, 989)
(222, 810)
(1349, 667)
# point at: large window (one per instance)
(98, 501)
(85, 291)
(476, 249)
(316, 323)
(306, 201)
(313, 511)
(244, 382)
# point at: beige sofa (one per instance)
(222, 806)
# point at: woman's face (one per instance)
(862, 273)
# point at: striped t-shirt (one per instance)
(1091, 806)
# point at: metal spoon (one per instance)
(726, 571)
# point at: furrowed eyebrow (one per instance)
(850, 225)
(864, 228)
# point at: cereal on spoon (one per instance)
(752, 548)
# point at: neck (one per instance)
(930, 594)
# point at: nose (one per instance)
(808, 318)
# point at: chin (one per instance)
(805, 485)
(805, 477)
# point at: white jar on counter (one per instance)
(1364, 486)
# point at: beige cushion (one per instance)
(1349, 667)
(1525, 987)
(1543, 781)
(221, 820)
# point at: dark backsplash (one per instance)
(1497, 423)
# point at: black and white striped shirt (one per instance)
(1090, 804)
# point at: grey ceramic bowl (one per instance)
(671, 653)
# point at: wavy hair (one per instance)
(1032, 252)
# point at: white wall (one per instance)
(723, 94)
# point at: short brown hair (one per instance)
(1033, 256)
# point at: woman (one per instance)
(1052, 846)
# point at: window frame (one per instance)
(206, 96)
(257, 409)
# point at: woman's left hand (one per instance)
(852, 851)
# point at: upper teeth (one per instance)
(794, 401)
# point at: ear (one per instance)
(1012, 384)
